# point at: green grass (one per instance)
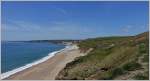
(131, 66)
(111, 74)
(117, 72)
(143, 48)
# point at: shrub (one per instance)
(131, 66)
(141, 77)
(116, 72)
(106, 76)
(109, 75)
(146, 58)
(142, 48)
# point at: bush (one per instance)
(142, 48)
(116, 72)
(131, 66)
(109, 75)
(146, 58)
(141, 77)
(106, 76)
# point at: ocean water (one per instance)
(18, 54)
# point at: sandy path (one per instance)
(48, 69)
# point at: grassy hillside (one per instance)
(111, 58)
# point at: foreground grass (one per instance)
(141, 77)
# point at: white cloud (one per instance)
(127, 28)
(62, 11)
(20, 26)
(57, 28)
(58, 23)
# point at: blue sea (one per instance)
(19, 54)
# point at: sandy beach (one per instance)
(49, 69)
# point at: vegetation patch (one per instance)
(131, 66)
(141, 77)
(117, 72)
(146, 58)
(142, 48)
(110, 57)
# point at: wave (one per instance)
(9, 73)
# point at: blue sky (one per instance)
(72, 20)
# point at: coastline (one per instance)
(48, 68)
(19, 69)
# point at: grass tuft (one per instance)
(141, 77)
(131, 66)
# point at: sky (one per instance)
(47, 20)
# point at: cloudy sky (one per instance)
(72, 20)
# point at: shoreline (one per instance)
(58, 59)
(29, 65)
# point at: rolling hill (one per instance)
(111, 58)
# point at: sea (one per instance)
(17, 56)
